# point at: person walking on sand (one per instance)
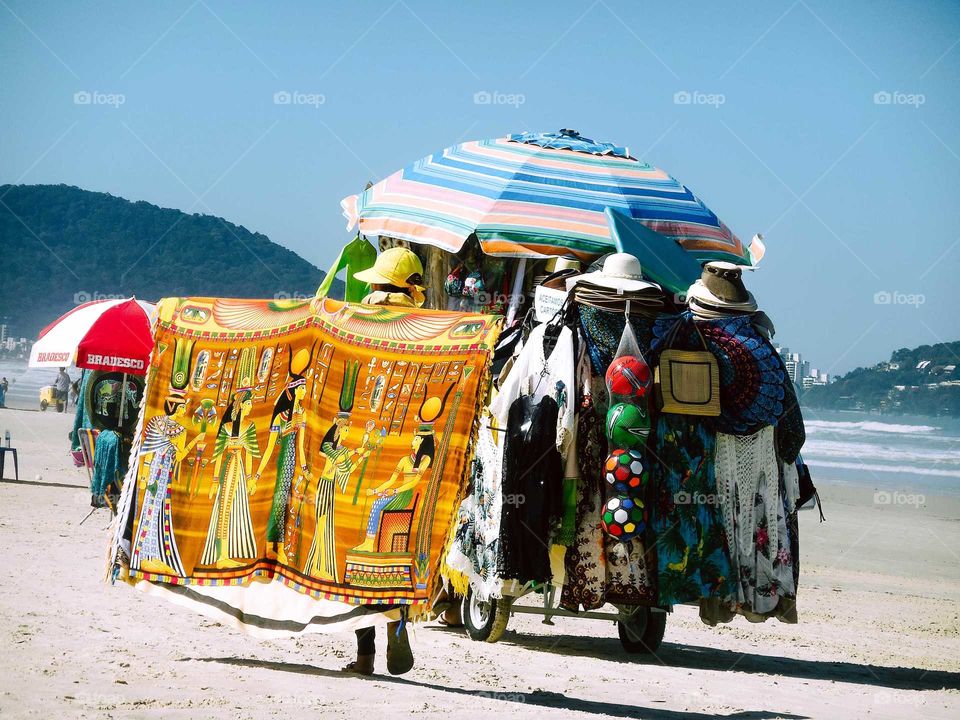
(396, 279)
(62, 387)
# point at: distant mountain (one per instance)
(60, 245)
(922, 381)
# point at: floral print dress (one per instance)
(692, 552)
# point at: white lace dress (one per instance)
(752, 501)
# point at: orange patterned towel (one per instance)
(299, 464)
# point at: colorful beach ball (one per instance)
(624, 518)
(624, 471)
(628, 376)
(628, 425)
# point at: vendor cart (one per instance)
(640, 628)
(49, 398)
(485, 216)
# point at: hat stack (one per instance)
(620, 280)
(720, 292)
(553, 267)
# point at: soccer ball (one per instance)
(628, 376)
(624, 518)
(624, 471)
(628, 425)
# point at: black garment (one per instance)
(790, 433)
(532, 488)
(367, 640)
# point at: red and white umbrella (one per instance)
(110, 335)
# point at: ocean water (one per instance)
(890, 452)
(25, 383)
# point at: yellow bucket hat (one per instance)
(394, 267)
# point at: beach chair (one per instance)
(16, 462)
(88, 441)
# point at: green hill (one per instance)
(921, 381)
(61, 245)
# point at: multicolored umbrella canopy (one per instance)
(111, 335)
(537, 195)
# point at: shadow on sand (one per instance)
(697, 657)
(38, 483)
(539, 698)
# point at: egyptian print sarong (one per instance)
(299, 465)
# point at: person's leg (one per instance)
(366, 649)
(367, 641)
(447, 605)
(452, 617)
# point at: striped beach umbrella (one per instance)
(110, 335)
(537, 195)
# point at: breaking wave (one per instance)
(867, 426)
(903, 469)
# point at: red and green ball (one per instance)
(625, 472)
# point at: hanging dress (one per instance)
(535, 408)
(541, 374)
(752, 493)
(585, 561)
(692, 553)
(476, 547)
(532, 490)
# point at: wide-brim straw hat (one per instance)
(621, 272)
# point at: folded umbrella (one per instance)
(663, 259)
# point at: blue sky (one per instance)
(786, 133)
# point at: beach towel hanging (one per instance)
(300, 464)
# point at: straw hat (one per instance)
(555, 264)
(621, 272)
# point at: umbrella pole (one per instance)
(123, 399)
(516, 291)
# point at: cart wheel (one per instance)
(485, 621)
(43, 405)
(643, 631)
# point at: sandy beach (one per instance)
(879, 632)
